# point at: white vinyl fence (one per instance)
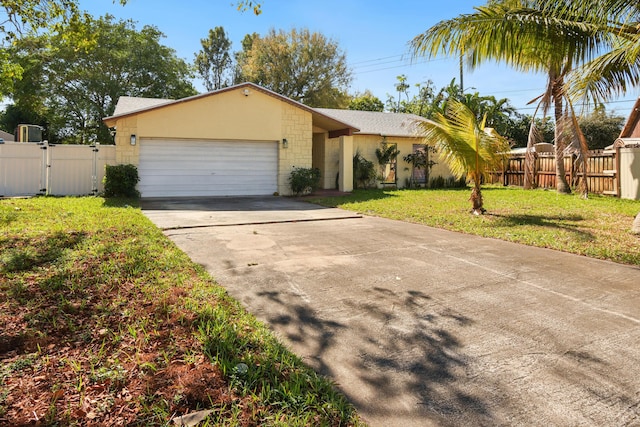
(630, 173)
(28, 169)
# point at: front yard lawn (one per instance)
(598, 227)
(104, 321)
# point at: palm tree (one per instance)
(531, 36)
(465, 144)
(617, 69)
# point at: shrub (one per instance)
(120, 181)
(450, 182)
(304, 180)
(364, 171)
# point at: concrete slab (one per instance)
(424, 327)
(179, 213)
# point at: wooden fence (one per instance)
(601, 171)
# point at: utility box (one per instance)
(28, 133)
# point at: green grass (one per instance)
(597, 227)
(105, 321)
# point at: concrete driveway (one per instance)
(420, 326)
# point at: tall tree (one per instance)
(28, 17)
(601, 128)
(242, 56)
(80, 86)
(518, 131)
(402, 87)
(467, 146)
(366, 102)
(531, 36)
(304, 66)
(213, 61)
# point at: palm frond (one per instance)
(464, 143)
(609, 75)
(521, 33)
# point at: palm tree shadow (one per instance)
(570, 223)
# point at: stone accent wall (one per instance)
(297, 130)
(125, 152)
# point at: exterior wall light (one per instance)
(133, 140)
(285, 143)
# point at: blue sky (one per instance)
(373, 34)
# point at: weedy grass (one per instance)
(106, 322)
(598, 227)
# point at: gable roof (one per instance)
(378, 123)
(632, 121)
(128, 106)
(8, 137)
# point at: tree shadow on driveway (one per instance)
(394, 347)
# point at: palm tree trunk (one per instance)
(562, 186)
(476, 198)
(635, 229)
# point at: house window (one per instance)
(387, 157)
(419, 174)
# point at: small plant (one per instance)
(120, 181)
(387, 155)
(419, 160)
(304, 180)
(364, 172)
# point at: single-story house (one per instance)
(6, 136)
(246, 140)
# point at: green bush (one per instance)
(120, 181)
(304, 180)
(364, 172)
(450, 182)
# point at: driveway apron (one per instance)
(424, 327)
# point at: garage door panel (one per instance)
(207, 168)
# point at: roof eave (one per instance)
(632, 120)
(332, 123)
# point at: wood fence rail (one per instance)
(601, 171)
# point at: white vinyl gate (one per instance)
(28, 169)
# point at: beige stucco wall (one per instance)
(225, 116)
(326, 157)
(440, 168)
(367, 144)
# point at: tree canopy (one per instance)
(28, 17)
(601, 128)
(74, 88)
(366, 102)
(304, 66)
(213, 61)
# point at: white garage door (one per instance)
(207, 168)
